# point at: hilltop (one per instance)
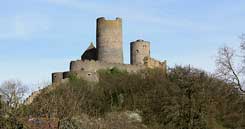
(186, 98)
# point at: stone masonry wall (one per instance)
(94, 66)
(88, 69)
(57, 77)
(153, 63)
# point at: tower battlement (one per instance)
(104, 19)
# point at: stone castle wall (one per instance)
(94, 66)
(57, 77)
(109, 40)
(87, 69)
(153, 63)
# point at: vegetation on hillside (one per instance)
(187, 98)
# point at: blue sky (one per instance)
(38, 37)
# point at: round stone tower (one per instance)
(109, 40)
(139, 49)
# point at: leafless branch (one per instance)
(13, 92)
(230, 65)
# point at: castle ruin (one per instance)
(108, 54)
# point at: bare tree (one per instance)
(231, 64)
(1, 105)
(13, 92)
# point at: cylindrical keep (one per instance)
(57, 77)
(139, 49)
(109, 40)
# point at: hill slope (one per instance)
(186, 98)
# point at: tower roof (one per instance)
(91, 46)
(90, 53)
